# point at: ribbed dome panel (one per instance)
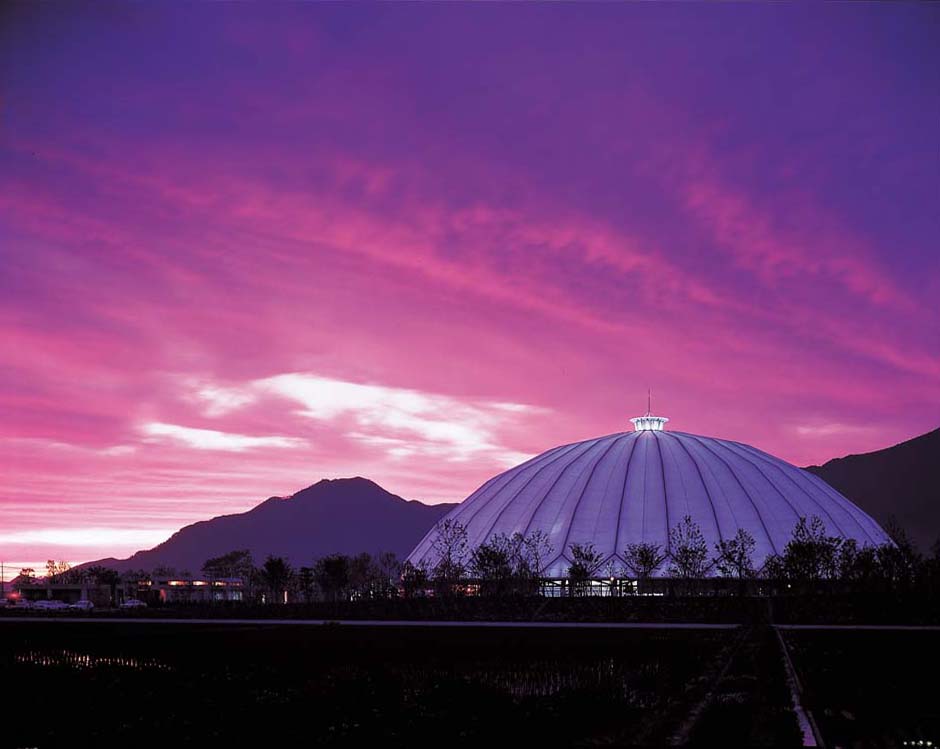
(634, 486)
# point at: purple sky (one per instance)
(245, 247)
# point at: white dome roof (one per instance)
(633, 487)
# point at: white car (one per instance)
(133, 603)
(50, 605)
(82, 605)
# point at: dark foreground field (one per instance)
(872, 688)
(144, 683)
(170, 685)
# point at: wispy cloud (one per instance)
(86, 537)
(400, 421)
(218, 401)
(210, 439)
(832, 428)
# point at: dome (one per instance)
(632, 487)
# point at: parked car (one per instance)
(50, 605)
(133, 603)
(82, 605)
(22, 603)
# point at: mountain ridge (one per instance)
(323, 518)
(900, 483)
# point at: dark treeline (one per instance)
(332, 578)
(811, 561)
(514, 566)
(336, 577)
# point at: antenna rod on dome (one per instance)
(647, 422)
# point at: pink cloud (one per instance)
(191, 325)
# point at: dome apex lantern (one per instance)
(649, 423)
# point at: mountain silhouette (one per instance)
(346, 516)
(900, 483)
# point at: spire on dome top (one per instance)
(648, 422)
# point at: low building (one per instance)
(99, 595)
(169, 590)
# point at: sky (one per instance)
(244, 248)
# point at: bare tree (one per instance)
(61, 572)
(899, 560)
(586, 561)
(390, 569)
(811, 555)
(643, 559)
(492, 563)
(452, 550)
(735, 556)
(535, 551)
(688, 551)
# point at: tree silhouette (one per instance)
(306, 582)
(585, 563)
(688, 551)
(390, 569)
(492, 564)
(414, 579)
(858, 566)
(643, 559)
(810, 555)
(535, 552)
(236, 563)
(452, 550)
(735, 555)
(26, 576)
(332, 575)
(105, 576)
(364, 575)
(276, 574)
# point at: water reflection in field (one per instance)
(545, 678)
(344, 686)
(72, 659)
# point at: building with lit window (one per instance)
(155, 590)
